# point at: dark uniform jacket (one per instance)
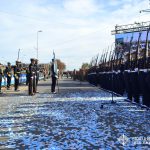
(17, 71)
(37, 70)
(32, 70)
(8, 71)
(53, 71)
(1, 75)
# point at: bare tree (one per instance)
(61, 66)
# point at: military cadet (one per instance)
(32, 77)
(144, 74)
(115, 74)
(134, 78)
(1, 75)
(74, 74)
(37, 73)
(120, 78)
(53, 75)
(17, 72)
(27, 76)
(8, 75)
(127, 77)
(146, 100)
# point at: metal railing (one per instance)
(136, 27)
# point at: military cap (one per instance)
(32, 59)
(17, 61)
(36, 60)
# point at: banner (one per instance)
(123, 41)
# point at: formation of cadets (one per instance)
(32, 76)
(7, 74)
(126, 72)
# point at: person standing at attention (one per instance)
(53, 75)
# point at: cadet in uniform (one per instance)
(8, 75)
(134, 69)
(142, 73)
(53, 75)
(17, 72)
(120, 78)
(27, 76)
(146, 100)
(32, 77)
(74, 74)
(37, 73)
(134, 78)
(1, 75)
(127, 75)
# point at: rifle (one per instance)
(117, 58)
(92, 62)
(109, 61)
(112, 76)
(103, 56)
(112, 59)
(105, 60)
(130, 50)
(137, 50)
(121, 52)
(96, 59)
(146, 48)
(100, 60)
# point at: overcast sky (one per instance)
(75, 29)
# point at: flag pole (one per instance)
(56, 68)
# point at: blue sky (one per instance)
(75, 29)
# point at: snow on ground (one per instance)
(73, 120)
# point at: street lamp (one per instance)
(18, 54)
(37, 41)
(145, 10)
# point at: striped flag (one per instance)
(55, 64)
(53, 55)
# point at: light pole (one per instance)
(145, 10)
(18, 54)
(37, 42)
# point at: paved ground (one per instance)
(72, 119)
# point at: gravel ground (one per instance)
(72, 119)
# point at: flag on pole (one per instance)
(55, 64)
(53, 55)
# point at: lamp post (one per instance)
(37, 42)
(18, 54)
(145, 10)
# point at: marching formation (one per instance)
(126, 70)
(30, 74)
